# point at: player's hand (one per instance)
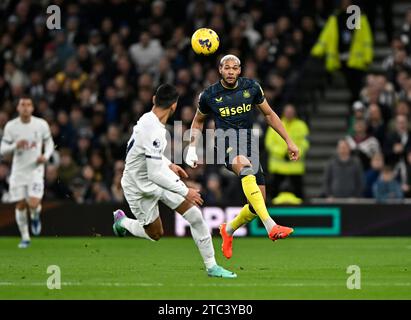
(194, 197)
(191, 157)
(22, 144)
(293, 151)
(178, 170)
(41, 159)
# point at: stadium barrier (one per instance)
(318, 219)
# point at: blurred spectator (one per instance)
(396, 62)
(353, 51)
(147, 53)
(362, 144)
(343, 176)
(64, 50)
(402, 108)
(406, 31)
(14, 76)
(403, 173)
(99, 193)
(378, 90)
(75, 36)
(4, 184)
(116, 189)
(373, 173)
(114, 144)
(72, 76)
(398, 142)
(375, 123)
(359, 113)
(55, 188)
(387, 188)
(214, 194)
(95, 45)
(68, 168)
(279, 164)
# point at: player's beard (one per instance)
(230, 82)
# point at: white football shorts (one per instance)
(145, 206)
(24, 192)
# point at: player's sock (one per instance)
(22, 223)
(134, 227)
(201, 235)
(245, 216)
(255, 198)
(35, 213)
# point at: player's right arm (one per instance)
(8, 145)
(196, 131)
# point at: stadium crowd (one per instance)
(374, 160)
(92, 80)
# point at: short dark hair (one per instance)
(165, 96)
(25, 96)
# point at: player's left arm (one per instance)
(275, 122)
(48, 145)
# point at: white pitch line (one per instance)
(142, 284)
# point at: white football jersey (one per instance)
(147, 141)
(25, 168)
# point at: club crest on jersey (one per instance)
(246, 94)
(156, 143)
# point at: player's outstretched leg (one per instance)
(122, 224)
(202, 237)
(256, 199)
(22, 223)
(227, 229)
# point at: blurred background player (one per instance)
(24, 137)
(231, 101)
(150, 177)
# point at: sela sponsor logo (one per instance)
(232, 111)
(214, 217)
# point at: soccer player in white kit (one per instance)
(24, 137)
(150, 177)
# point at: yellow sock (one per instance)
(245, 216)
(254, 196)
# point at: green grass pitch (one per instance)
(129, 268)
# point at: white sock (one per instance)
(201, 235)
(35, 213)
(229, 229)
(22, 223)
(135, 228)
(269, 224)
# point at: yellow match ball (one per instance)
(205, 41)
